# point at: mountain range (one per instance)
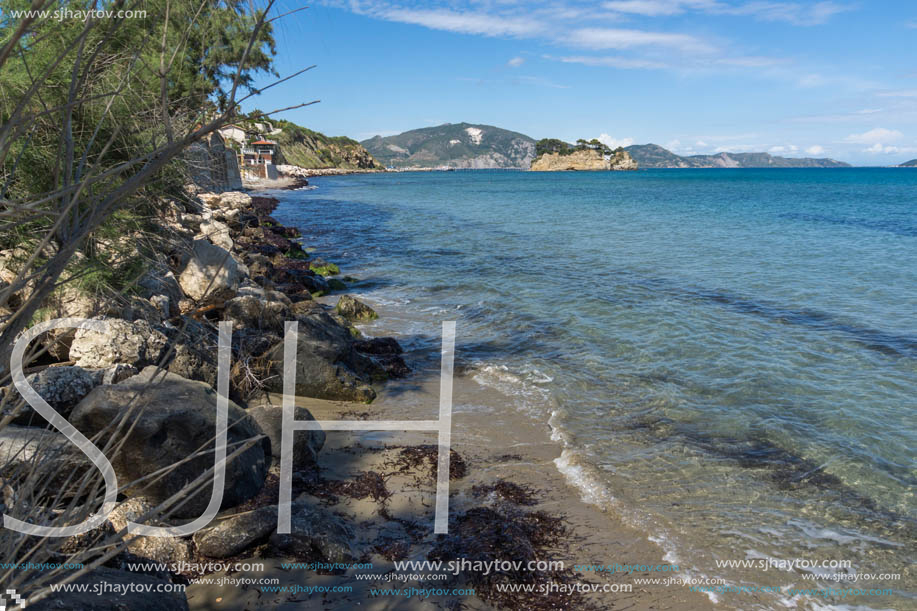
(654, 156)
(909, 164)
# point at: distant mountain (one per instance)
(456, 145)
(654, 156)
(909, 164)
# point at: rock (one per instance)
(194, 347)
(138, 308)
(211, 274)
(132, 343)
(327, 366)
(315, 529)
(217, 233)
(386, 352)
(161, 282)
(164, 550)
(61, 387)
(22, 448)
(235, 200)
(306, 444)
(583, 160)
(116, 373)
(250, 312)
(70, 302)
(236, 533)
(173, 418)
(135, 592)
(212, 200)
(305, 307)
(263, 294)
(378, 345)
(355, 310)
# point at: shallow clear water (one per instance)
(728, 357)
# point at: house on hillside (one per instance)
(258, 158)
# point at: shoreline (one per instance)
(512, 470)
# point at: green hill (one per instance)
(456, 145)
(654, 156)
(310, 149)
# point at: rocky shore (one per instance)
(359, 498)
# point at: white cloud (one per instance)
(794, 13)
(608, 38)
(614, 142)
(650, 8)
(700, 144)
(875, 136)
(465, 23)
(788, 148)
(750, 61)
(815, 149)
(515, 62)
(907, 93)
(611, 62)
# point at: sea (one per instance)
(725, 358)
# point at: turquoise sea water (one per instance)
(728, 358)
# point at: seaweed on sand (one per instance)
(427, 456)
(508, 491)
(482, 534)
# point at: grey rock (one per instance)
(210, 274)
(61, 387)
(164, 550)
(250, 312)
(160, 281)
(172, 419)
(236, 533)
(133, 343)
(315, 529)
(306, 444)
(327, 366)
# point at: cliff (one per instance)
(313, 150)
(583, 160)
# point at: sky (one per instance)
(834, 78)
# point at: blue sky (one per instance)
(832, 78)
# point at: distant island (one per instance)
(554, 155)
(909, 164)
(655, 156)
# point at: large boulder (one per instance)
(306, 444)
(173, 418)
(136, 591)
(315, 529)
(131, 343)
(217, 233)
(327, 366)
(211, 274)
(235, 200)
(193, 347)
(235, 534)
(61, 387)
(354, 310)
(251, 312)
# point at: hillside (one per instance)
(456, 145)
(654, 156)
(909, 164)
(313, 150)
